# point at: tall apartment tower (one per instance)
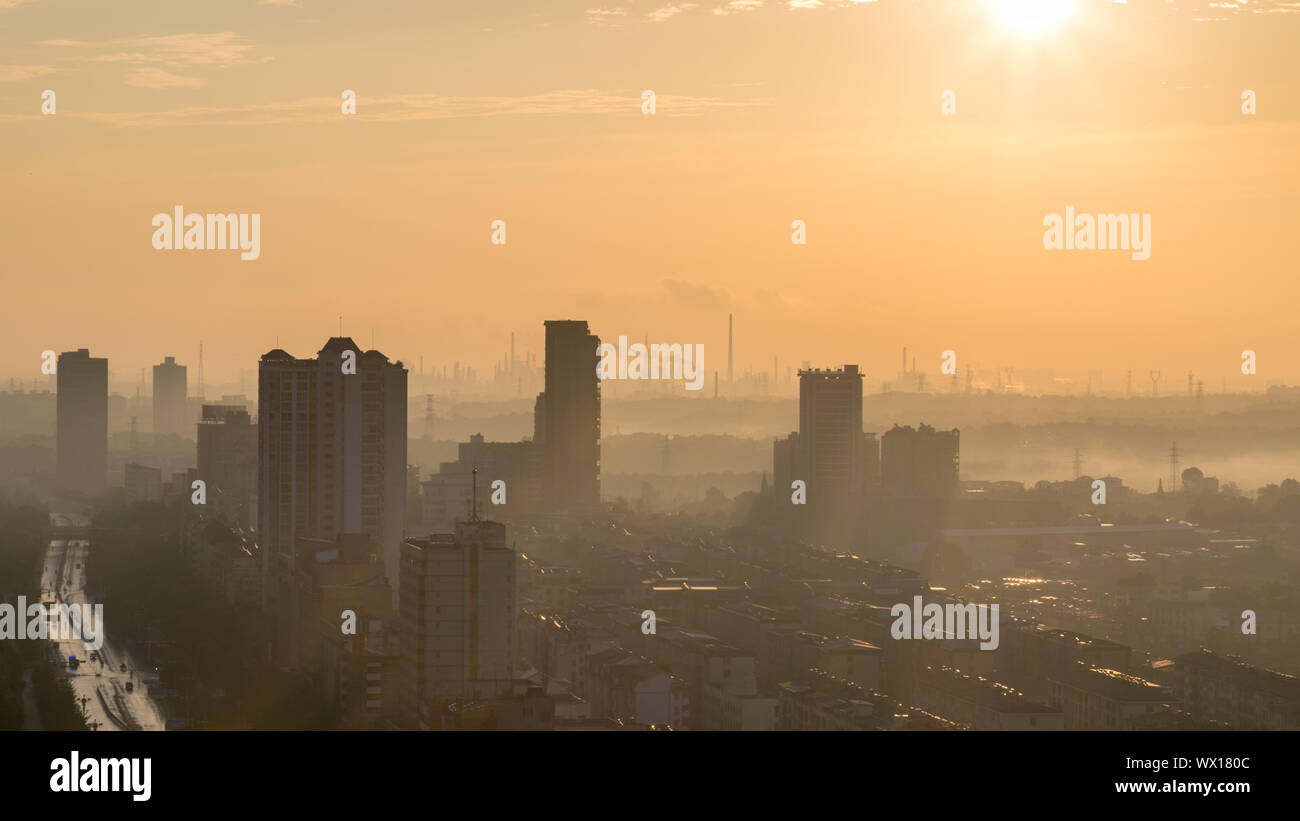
(570, 414)
(920, 463)
(331, 452)
(81, 451)
(458, 616)
(227, 444)
(830, 435)
(169, 389)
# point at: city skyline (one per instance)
(928, 226)
(645, 366)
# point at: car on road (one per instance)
(130, 686)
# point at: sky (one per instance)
(923, 228)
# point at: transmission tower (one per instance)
(1155, 383)
(1078, 464)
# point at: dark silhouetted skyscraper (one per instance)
(830, 436)
(227, 445)
(920, 463)
(331, 451)
(169, 389)
(81, 450)
(458, 616)
(570, 414)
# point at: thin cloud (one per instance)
(737, 5)
(695, 295)
(225, 48)
(16, 74)
(410, 108)
(606, 17)
(157, 78)
(659, 15)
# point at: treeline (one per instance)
(150, 592)
(1274, 504)
(210, 653)
(55, 700)
(11, 686)
(22, 550)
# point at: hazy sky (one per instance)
(923, 229)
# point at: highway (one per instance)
(99, 685)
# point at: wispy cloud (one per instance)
(153, 77)
(667, 12)
(225, 48)
(409, 108)
(606, 17)
(695, 295)
(16, 74)
(737, 5)
(13, 4)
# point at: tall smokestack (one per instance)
(904, 359)
(729, 348)
(512, 351)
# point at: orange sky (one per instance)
(924, 230)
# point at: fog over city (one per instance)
(642, 366)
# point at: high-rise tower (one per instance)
(569, 415)
(331, 451)
(170, 414)
(81, 451)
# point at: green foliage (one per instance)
(21, 551)
(22, 529)
(55, 700)
(11, 687)
(150, 592)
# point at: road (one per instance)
(99, 685)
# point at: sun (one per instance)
(1030, 18)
